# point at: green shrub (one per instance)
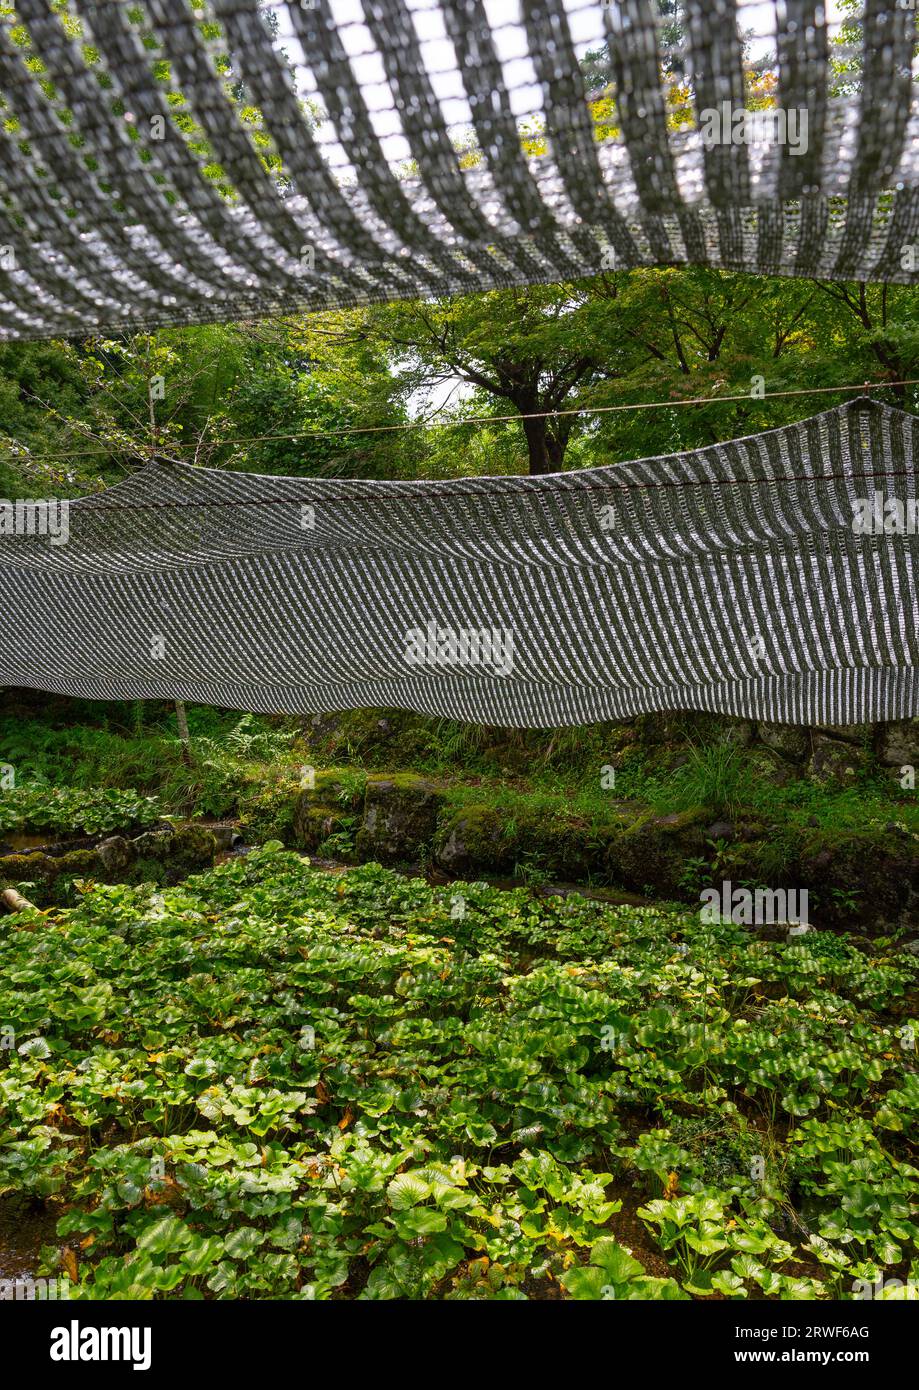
(67, 810)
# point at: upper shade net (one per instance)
(163, 162)
(773, 577)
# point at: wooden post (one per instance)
(182, 721)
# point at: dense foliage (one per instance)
(238, 758)
(329, 395)
(274, 1082)
(68, 809)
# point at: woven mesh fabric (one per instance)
(730, 579)
(134, 192)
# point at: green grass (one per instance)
(563, 770)
(724, 782)
(125, 747)
(559, 775)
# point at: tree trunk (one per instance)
(555, 448)
(182, 721)
(537, 437)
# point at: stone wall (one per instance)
(867, 878)
(158, 856)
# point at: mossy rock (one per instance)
(675, 823)
(898, 743)
(737, 733)
(315, 823)
(149, 870)
(48, 873)
(474, 837)
(676, 726)
(835, 763)
(27, 868)
(159, 856)
(771, 766)
(268, 812)
(861, 734)
(193, 847)
(569, 847)
(519, 840)
(869, 878)
(789, 741)
(652, 851)
(168, 856)
(336, 792)
(117, 856)
(767, 862)
(400, 817)
(343, 785)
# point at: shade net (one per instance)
(772, 577)
(168, 163)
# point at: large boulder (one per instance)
(315, 823)
(898, 743)
(326, 807)
(400, 817)
(650, 854)
(526, 843)
(870, 877)
(472, 837)
(117, 856)
(168, 856)
(192, 847)
(788, 740)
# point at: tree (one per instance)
(537, 351)
(336, 394)
(653, 335)
(91, 411)
(329, 394)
